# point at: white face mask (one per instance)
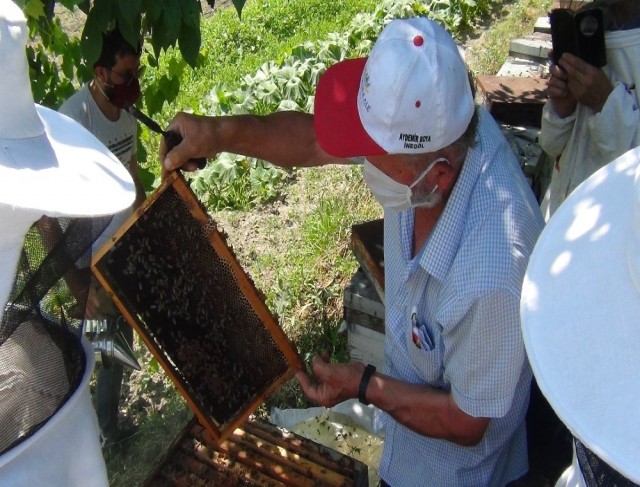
(397, 196)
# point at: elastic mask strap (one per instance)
(426, 171)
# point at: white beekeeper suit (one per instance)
(586, 141)
(49, 165)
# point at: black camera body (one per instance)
(580, 33)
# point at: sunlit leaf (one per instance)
(34, 9)
(288, 105)
(225, 168)
(147, 178)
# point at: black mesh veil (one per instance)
(42, 361)
(597, 473)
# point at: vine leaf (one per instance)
(238, 4)
(166, 29)
(189, 42)
(34, 9)
(191, 11)
(128, 17)
(98, 21)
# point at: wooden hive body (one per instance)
(257, 454)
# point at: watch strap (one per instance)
(369, 370)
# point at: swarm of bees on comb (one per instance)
(175, 279)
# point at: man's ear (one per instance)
(100, 72)
(446, 173)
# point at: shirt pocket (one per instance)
(426, 358)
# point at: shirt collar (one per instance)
(440, 249)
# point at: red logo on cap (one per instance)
(418, 103)
(418, 41)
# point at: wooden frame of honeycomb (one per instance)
(172, 275)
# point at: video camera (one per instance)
(580, 33)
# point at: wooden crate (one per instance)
(514, 100)
(364, 317)
(256, 454)
(367, 244)
(361, 303)
(570, 4)
(176, 281)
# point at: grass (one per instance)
(133, 463)
(487, 54)
(296, 248)
(269, 29)
(232, 48)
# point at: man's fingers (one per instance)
(303, 379)
(179, 158)
(574, 66)
(557, 72)
(310, 389)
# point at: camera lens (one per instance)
(589, 25)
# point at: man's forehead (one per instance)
(127, 59)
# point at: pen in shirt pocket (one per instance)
(419, 334)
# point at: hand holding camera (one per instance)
(579, 33)
(575, 81)
(578, 54)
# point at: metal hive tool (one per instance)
(177, 282)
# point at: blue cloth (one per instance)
(464, 287)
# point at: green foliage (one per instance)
(515, 20)
(58, 62)
(305, 282)
(289, 84)
(237, 183)
(458, 16)
(54, 59)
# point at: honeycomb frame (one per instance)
(171, 274)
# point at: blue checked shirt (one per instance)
(463, 290)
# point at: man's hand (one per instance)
(576, 81)
(558, 91)
(198, 140)
(333, 384)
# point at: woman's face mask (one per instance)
(397, 196)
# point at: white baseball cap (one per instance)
(580, 311)
(411, 95)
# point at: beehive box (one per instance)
(364, 317)
(257, 454)
(367, 244)
(176, 281)
(514, 100)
